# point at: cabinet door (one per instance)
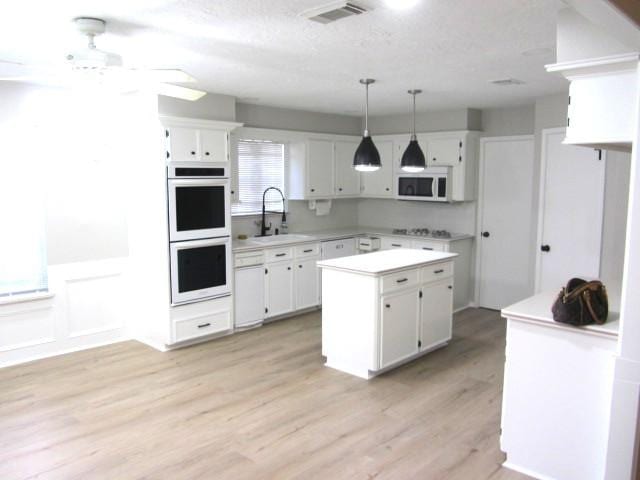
(444, 151)
(399, 326)
(436, 313)
(306, 281)
(320, 168)
(213, 146)
(347, 177)
(380, 182)
(249, 296)
(279, 289)
(183, 144)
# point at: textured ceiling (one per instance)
(263, 51)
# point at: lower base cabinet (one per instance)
(399, 326)
(307, 284)
(279, 298)
(249, 296)
(436, 310)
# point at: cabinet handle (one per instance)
(438, 271)
(313, 189)
(388, 305)
(388, 189)
(396, 245)
(450, 287)
(365, 244)
(206, 153)
(308, 251)
(280, 254)
(299, 266)
(402, 280)
(427, 248)
(545, 248)
(193, 153)
(204, 325)
(339, 189)
(288, 268)
(435, 159)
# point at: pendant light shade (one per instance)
(367, 157)
(413, 157)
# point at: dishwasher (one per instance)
(249, 289)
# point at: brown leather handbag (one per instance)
(581, 303)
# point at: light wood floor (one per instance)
(255, 405)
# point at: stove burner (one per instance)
(422, 232)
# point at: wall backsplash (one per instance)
(459, 217)
(456, 217)
(343, 214)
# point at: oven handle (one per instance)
(198, 182)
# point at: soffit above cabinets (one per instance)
(267, 52)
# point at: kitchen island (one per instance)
(385, 308)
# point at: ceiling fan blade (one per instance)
(167, 76)
(176, 91)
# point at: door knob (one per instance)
(485, 234)
(545, 248)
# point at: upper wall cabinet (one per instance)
(347, 178)
(192, 140)
(602, 100)
(311, 169)
(379, 184)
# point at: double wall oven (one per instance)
(199, 231)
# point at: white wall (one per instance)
(431, 121)
(212, 106)
(518, 120)
(260, 116)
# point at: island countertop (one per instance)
(386, 261)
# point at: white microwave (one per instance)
(433, 184)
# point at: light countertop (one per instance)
(386, 261)
(537, 309)
(323, 235)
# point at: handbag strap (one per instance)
(593, 286)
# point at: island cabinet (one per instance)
(385, 308)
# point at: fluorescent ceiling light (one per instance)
(401, 4)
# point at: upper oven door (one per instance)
(200, 269)
(198, 208)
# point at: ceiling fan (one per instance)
(92, 62)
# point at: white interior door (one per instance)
(506, 201)
(571, 206)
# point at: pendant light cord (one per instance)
(366, 110)
(413, 132)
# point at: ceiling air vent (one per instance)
(334, 11)
(505, 82)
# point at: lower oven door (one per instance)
(200, 269)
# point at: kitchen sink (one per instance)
(284, 238)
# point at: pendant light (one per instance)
(413, 158)
(367, 158)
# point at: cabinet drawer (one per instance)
(427, 245)
(309, 250)
(248, 259)
(188, 329)
(388, 243)
(436, 272)
(395, 281)
(278, 254)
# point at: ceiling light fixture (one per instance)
(413, 158)
(367, 158)
(401, 4)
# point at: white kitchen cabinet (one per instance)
(379, 184)
(429, 245)
(347, 181)
(279, 289)
(186, 144)
(399, 326)
(601, 107)
(311, 169)
(435, 308)
(385, 308)
(388, 243)
(444, 150)
(307, 284)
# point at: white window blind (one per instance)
(260, 165)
